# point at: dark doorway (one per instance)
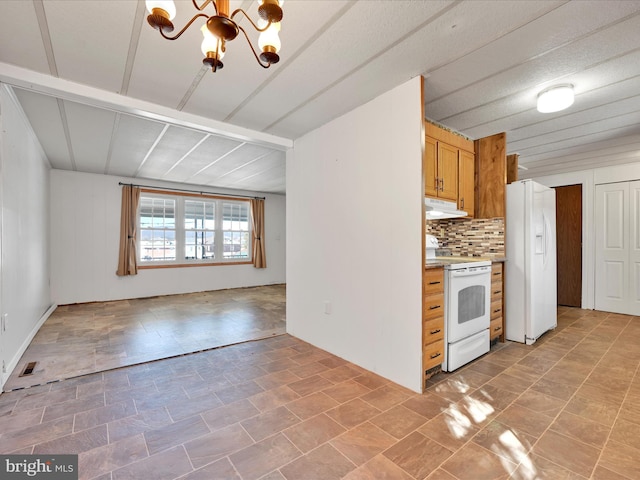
(569, 241)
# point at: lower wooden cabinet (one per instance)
(497, 302)
(432, 321)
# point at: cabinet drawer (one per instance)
(496, 327)
(434, 306)
(496, 308)
(432, 355)
(432, 330)
(433, 281)
(496, 292)
(496, 272)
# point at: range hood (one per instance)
(437, 209)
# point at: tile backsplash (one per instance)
(469, 236)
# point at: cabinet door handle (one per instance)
(437, 187)
(435, 355)
(497, 328)
(462, 203)
(433, 307)
(433, 332)
(442, 184)
(497, 310)
(434, 283)
(497, 291)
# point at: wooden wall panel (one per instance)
(491, 175)
(512, 168)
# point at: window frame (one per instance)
(180, 198)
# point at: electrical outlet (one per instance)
(442, 231)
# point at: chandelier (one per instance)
(222, 28)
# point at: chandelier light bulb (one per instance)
(210, 43)
(555, 98)
(269, 39)
(166, 5)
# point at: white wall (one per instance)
(85, 229)
(589, 179)
(24, 268)
(354, 228)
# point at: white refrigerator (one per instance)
(530, 270)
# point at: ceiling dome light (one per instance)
(555, 98)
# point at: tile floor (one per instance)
(566, 408)
(93, 337)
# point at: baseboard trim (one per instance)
(13, 363)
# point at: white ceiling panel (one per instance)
(326, 60)
(20, 40)
(175, 143)
(559, 135)
(610, 111)
(211, 150)
(44, 115)
(253, 168)
(588, 149)
(133, 139)
(558, 26)
(272, 180)
(601, 154)
(221, 93)
(478, 22)
(164, 70)
(484, 61)
(223, 164)
(94, 51)
(90, 130)
(594, 87)
(540, 72)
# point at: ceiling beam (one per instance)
(84, 94)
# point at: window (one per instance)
(181, 229)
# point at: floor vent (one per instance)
(28, 370)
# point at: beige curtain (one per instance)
(128, 259)
(257, 219)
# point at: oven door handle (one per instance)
(471, 272)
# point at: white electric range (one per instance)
(467, 314)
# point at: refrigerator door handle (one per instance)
(547, 229)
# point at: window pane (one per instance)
(157, 224)
(157, 212)
(156, 245)
(199, 214)
(199, 245)
(236, 227)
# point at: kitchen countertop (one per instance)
(442, 261)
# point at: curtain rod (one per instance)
(191, 191)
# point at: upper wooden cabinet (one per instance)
(430, 168)
(440, 166)
(448, 167)
(491, 175)
(448, 171)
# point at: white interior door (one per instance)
(618, 248)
